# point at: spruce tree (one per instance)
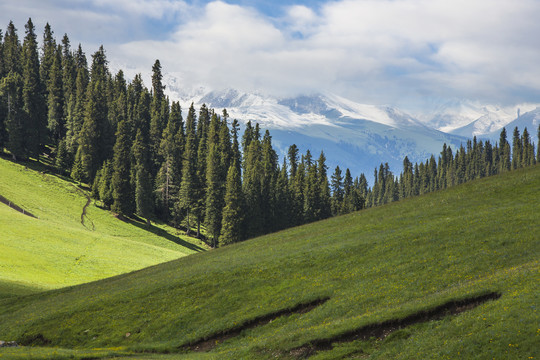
(236, 155)
(337, 191)
(63, 160)
(169, 174)
(48, 56)
(11, 89)
(158, 119)
(517, 150)
(12, 51)
(311, 192)
(188, 196)
(105, 186)
(55, 101)
(93, 138)
(33, 94)
(233, 214)
(76, 103)
(269, 165)
(3, 104)
(120, 179)
(527, 158)
(214, 193)
(252, 188)
(504, 152)
(324, 205)
(143, 184)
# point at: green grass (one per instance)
(375, 265)
(56, 250)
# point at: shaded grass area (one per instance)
(56, 249)
(374, 266)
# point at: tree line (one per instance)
(142, 158)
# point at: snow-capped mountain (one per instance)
(529, 120)
(468, 118)
(352, 135)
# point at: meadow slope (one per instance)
(56, 249)
(359, 271)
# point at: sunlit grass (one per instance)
(56, 250)
(375, 265)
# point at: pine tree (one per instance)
(77, 103)
(337, 191)
(269, 167)
(105, 187)
(158, 119)
(169, 174)
(504, 152)
(528, 149)
(233, 214)
(188, 196)
(48, 56)
(214, 193)
(12, 51)
(325, 210)
(63, 160)
(93, 137)
(236, 155)
(55, 101)
(283, 199)
(120, 179)
(517, 150)
(143, 184)
(3, 104)
(252, 188)
(311, 191)
(11, 90)
(34, 101)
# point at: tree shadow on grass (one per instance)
(42, 167)
(141, 224)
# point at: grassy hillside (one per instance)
(56, 249)
(453, 274)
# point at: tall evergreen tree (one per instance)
(169, 174)
(12, 51)
(3, 103)
(527, 158)
(252, 187)
(48, 55)
(143, 185)
(504, 152)
(77, 102)
(337, 191)
(120, 181)
(188, 196)
(283, 199)
(11, 89)
(55, 101)
(324, 188)
(214, 183)
(95, 132)
(158, 118)
(517, 150)
(233, 214)
(34, 101)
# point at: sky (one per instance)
(407, 53)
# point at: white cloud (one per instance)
(373, 50)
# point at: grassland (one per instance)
(56, 249)
(373, 266)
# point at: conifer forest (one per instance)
(143, 155)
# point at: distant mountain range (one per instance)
(358, 136)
